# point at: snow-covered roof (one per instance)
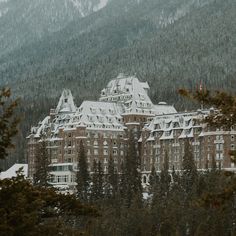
(163, 108)
(123, 96)
(182, 121)
(131, 92)
(11, 172)
(104, 115)
(41, 128)
(66, 102)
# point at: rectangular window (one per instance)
(105, 152)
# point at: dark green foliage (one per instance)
(29, 210)
(42, 161)
(131, 179)
(82, 177)
(165, 176)
(225, 103)
(154, 180)
(8, 122)
(122, 180)
(224, 114)
(35, 210)
(189, 168)
(97, 190)
(111, 180)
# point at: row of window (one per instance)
(62, 179)
(105, 152)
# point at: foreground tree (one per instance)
(97, 191)
(8, 122)
(31, 210)
(82, 177)
(225, 114)
(42, 175)
(111, 180)
(189, 169)
(153, 181)
(218, 196)
(131, 176)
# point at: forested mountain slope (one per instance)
(24, 21)
(171, 44)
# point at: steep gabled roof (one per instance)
(66, 103)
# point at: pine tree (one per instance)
(213, 163)
(111, 180)
(8, 122)
(165, 176)
(33, 210)
(153, 180)
(42, 175)
(189, 168)
(122, 184)
(82, 177)
(97, 191)
(132, 174)
(100, 181)
(190, 188)
(94, 182)
(175, 176)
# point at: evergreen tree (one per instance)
(153, 180)
(213, 163)
(175, 176)
(165, 176)
(94, 182)
(100, 181)
(42, 175)
(132, 174)
(189, 168)
(97, 191)
(8, 122)
(122, 184)
(190, 189)
(82, 177)
(112, 180)
(33, 210)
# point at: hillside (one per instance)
(25, 21)
(176, 46)
(171, 44)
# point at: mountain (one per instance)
(174, 42)
(169, 43)
(24, 21)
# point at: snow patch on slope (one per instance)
(4, 10)
(181, 11)
(101, 5)
(87, 7)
